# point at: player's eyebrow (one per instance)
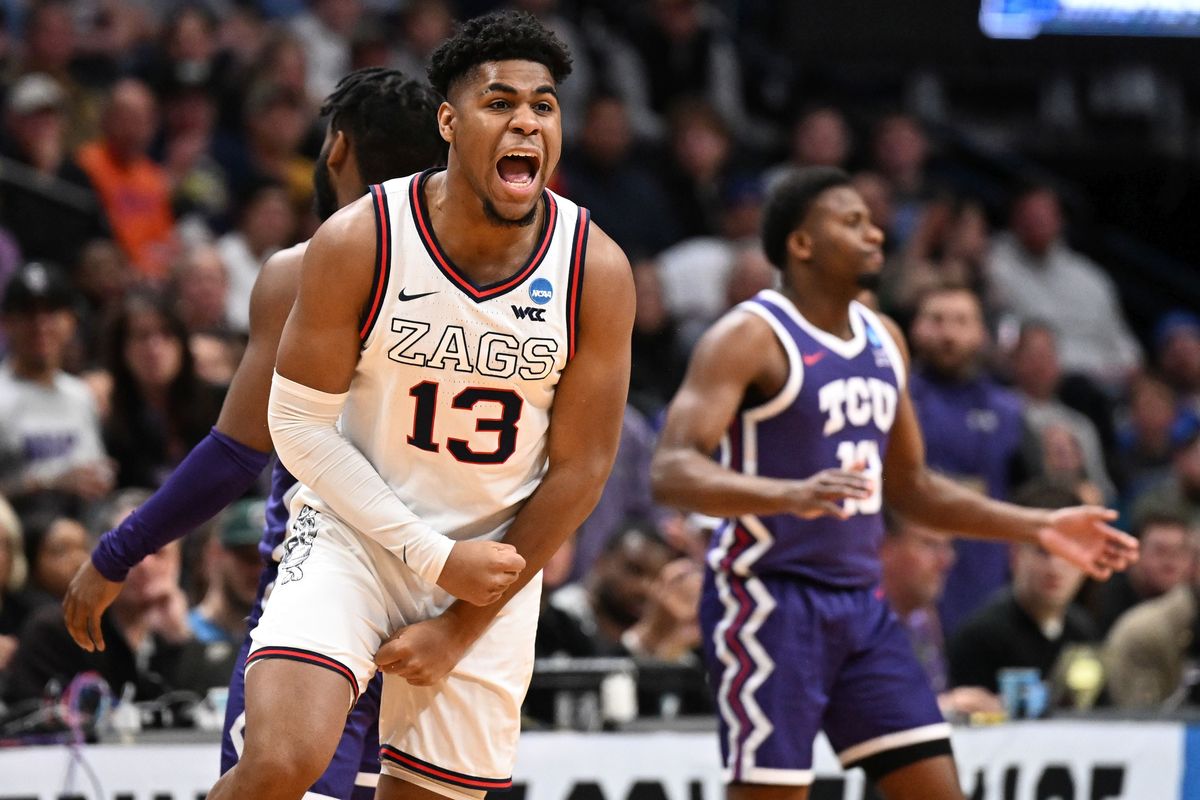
(504, 88)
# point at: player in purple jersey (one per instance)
(803, 391)
(381, 125)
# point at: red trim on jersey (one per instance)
(383, 258)
(444, 775)
(451, 271)
(575, 279)
(306, 657)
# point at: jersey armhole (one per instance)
(383, 257)
(575, 278)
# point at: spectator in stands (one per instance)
(13, 571)
(232, 565)
(160, 408)
(1167, 558)
(899, 151)
(973, 430)
(1178, 492)
(55, 546)
(46, 201)
(820, 138)
(949, 245)
(1177, 347)
(276, 123)
(51, 47)
(134, 190)
(751, 273)
(145, 633)
(1037, 376)
(1152, 653)
(1035, 275)
(266, 223)
(187, 150)
(604, 173)
(1155, 423)
(686, 51)
(325, 31)
(1030, 624)
(424, 25)
(620, 590)
(626, 495)
(659, 359)
(49, 431)
(700, 150)
(200, 288)
(914, 562)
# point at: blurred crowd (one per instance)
(153, 155)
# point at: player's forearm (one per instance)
(303, 424)
(689, 480)
(938, 502)
(563, 500)
(218, 471)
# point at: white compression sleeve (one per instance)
(303, 425)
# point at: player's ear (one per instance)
(446, 119)
(799, 245)
(339, 151)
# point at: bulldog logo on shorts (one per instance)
(298, 548)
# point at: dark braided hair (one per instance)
(499, 36)
(391, 121)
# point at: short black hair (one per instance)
(788, 203)
(391, 121)
(499, 36)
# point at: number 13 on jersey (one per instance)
(863, 455)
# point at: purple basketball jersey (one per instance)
(836, 410)
(352, 771)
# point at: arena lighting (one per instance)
(1027, 19)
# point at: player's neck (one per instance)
(823, 306)
(477, 244)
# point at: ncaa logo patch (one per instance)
(540, 291)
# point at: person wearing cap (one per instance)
(49, 428)
(46, 200)
(232, 565)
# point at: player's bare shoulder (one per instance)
(607, 279)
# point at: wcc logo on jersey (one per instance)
(540, 292)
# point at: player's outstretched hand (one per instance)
(821, 495)
(89, 594)
(478, 571)
(423, 653)
(1082, 535)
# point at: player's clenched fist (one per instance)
(478, 571)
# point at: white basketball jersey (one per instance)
(451, 399)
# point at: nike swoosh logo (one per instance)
(812, 358)
(404, 298)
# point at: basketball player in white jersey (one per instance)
(450, 372)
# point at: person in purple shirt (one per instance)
(973, 431)
(381, 125)
(804, 393)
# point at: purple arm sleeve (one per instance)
(218, 471)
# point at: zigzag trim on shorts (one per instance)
(424, 768)
(306, 657)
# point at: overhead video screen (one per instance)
(1026, 19)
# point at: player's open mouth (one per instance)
(518, 169)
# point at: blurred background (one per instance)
(1033, 164)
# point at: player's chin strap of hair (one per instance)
(303, 424)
